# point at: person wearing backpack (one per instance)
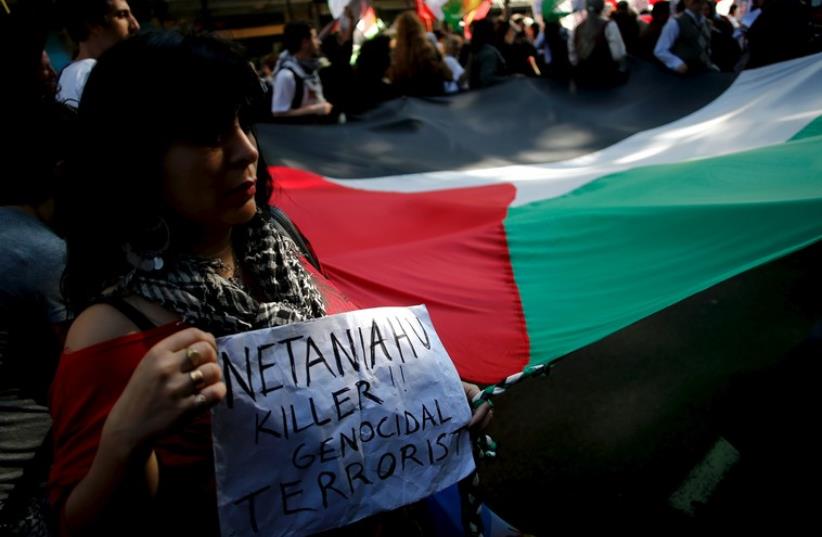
(298, 90)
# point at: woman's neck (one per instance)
(214, 245)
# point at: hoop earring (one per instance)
(146, 252)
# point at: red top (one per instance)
(87, 384)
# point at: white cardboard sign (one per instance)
(335, 419)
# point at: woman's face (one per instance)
(213, 186)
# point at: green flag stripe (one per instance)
(814, 128)
(631, 243)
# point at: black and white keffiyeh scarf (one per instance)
(307, 70)
(194, 288)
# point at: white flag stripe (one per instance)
(763, 107)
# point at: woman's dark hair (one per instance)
(145, 94)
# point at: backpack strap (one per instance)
(286, 226)
(299, 89)
(133, 314)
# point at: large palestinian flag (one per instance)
(533, 221)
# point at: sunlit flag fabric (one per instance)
(453, 11)
(533, 222)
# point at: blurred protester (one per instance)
(552, 43)
(298, 90)
(685, 43)
(94, 26)
(337, 46)
(596, 50)
(782, 31)
(486, 65)
(417, 68)
(370, 83)
(649, 35)
(516, 48)
(628, 23)
(266, 70)
(452, 45)
(725, 50)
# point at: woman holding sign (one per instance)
(170, 243)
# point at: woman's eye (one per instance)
(210, 140)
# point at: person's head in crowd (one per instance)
(190, 159)
(624, 9)
(694, 6)
(709, 9)
(332, 49)
(482, 33)
(409, 30)
(513, 30)
(301, 40)
(97, 25)
(415, 55)
(732, 10)
(374, 58)
(520, 29)
(660, 13)
(267, 65)
(595, 7)
(452, 45)
(46, 74)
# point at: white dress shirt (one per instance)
(669, 35)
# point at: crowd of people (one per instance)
(319, 76)
(136, 226)
(687, 37)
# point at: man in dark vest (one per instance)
(685, 43)
(596, 49)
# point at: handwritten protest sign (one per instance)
(329, 421)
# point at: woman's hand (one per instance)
(176, 379)
(482, 414)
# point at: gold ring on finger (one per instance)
(193, 356)
(196, 377)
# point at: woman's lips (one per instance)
(242, 192)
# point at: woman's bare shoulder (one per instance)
(103, 322)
